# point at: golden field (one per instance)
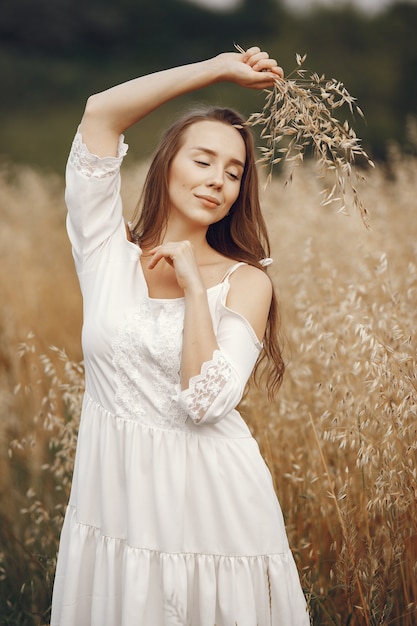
(340, 440)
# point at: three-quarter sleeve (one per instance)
(219, 386)
(93, 199)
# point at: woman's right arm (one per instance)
(109, 113)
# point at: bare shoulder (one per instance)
(250, 295)
(248, 277)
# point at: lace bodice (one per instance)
(146, 357)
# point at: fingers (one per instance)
(158, 253)
(260, 61)
(171, 252)
(180, 255)
(253, 55)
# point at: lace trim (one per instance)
(206, 386)
(92, 166)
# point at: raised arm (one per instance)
(111, 112)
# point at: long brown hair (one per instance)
(241, 235)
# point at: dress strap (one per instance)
(231, 270)
(264, 262)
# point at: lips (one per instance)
(209, 199)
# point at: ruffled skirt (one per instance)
(168, 528)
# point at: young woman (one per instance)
(172, 517)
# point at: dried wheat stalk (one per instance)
(299, 114)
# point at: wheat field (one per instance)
(340, 440)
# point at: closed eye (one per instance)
(232, 175)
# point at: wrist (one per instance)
(219, 68)
(195, 293)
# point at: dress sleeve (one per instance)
(219, 386)
(93, 200)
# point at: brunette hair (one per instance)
(241, 235)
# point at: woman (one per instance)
(172, 516)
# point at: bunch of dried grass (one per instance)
(299, 114)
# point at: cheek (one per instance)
(234, 194)
(176, 183)
(176, 178)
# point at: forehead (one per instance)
(217, 137)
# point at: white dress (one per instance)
(172, 518)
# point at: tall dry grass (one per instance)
(340, 440)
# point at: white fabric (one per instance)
(172, 518)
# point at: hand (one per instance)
(180, 255)
(252, 68)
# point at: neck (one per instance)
(180, 232)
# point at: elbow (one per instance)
(91, 115)
(93, 107)
(213, 393)
(217, 408)
(99, 126)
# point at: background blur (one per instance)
(54, 53)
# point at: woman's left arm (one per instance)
(216, 368)
(249, 295)
(222, 375)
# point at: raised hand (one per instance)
(180, 255)
(251, 68)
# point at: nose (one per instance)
(216, 179)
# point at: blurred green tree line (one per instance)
(54, 53)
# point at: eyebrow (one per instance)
(214, 153)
